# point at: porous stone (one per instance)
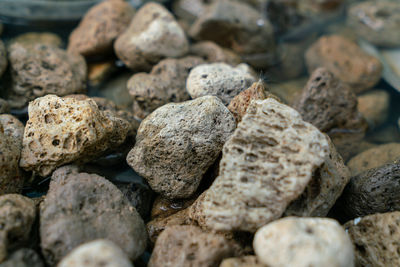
(100, 26)
(376, 21)
(374, 106)
(17, 215)
(152, 35)
(41, 69)
(63, 130)
(164, 84)
(212, 53)
(3, 58)
(180, 246)
(24, 257)
(97, 253)
(219, 79)
(374, 157)
(4, 107)
(81, 207)
(267, 163)
(245, 261)
(346, 60)
(303, 242)
(376, 239)
(13, 128)
(177, 143)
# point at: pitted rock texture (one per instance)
(374, 106)
(325, 187)
(267, 163)
(219, 79)
(4, 107)
(24, 257)
(304, 242)
(63, 130)
(177, 143)
(346, 60)
(152, 35)
(17, 215)
(212, 53)
(245, 261)
(81, 207)
(100, 26)
(327, 103)
(164, 84)
(374, 157)
(3, 58)
(376, 239)
(97, 253)
(41, 69)
(376, 21)
(32, 38)
(373, 191)
(180, 246)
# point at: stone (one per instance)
(239, 104)
(164, 207)
(11, 177)
(17, 215)
(100, 27)
(96, 253)
(24, 257)
(372, 191)
(81, 207)
(374, 157)
(41, 69)
(288, 91)
(236, 25)
(376, 21)
(219, 79)
(99, 72)
(32, 38)
(177, 143)
(329, 104)
(63, 130)
(180, 246)
(4, 107)
(376, 239)
(164, 84)
(346, 60)
(3, 58)
(189, 10)
(267, 163)
(213, 53)
(152, 35)
(374, 106)
(245, 261)
(304, 242)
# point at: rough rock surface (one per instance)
(3, 58)
(17, 214)
(97, 253)
(81, 207)
(164, 84)
(303, 242)
(266, 164)
(152, 35)
(180, 246)
(245, 261)
(373, 191)
(376, 239)
(23, 257)
(374, 157)
(41, 69)
(177, 143)
(31, 38)
(4, 107)
(219, 79)
(63, 130)
(376, 21)
(346, 60)
(374, 106)
(13, 128)
(212, 53)
(100, 26)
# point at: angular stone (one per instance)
(213, 53)
(219, 79)
(63, 130)
(304, 242)
(346, 60)
(164, 84)
(267, 163)
(177, 143)
(152, 35)
(100, 26)
(374, 106)
(81, 207)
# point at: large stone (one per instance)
(63, 130)
(152, 35)
(177, 143)
(303, 242)
(267, 163)
(81, 207)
